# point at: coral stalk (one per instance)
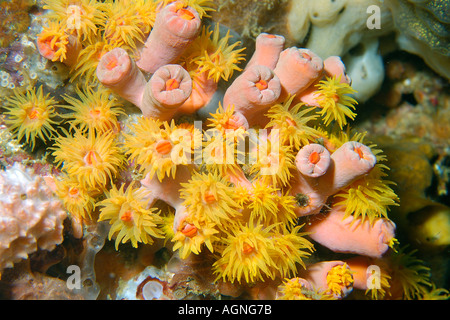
(312, 161)
(168, 190)
(297, 69)
(360, 266)
(175, 28)
(117, 71)
(267, 50)
(334, 67)
(253, 92)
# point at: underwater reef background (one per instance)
(94, 206)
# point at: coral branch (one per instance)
(168, 190)
(350, 235)
(321, 175)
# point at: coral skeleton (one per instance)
(31, 217)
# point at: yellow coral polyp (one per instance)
(263, 203)
(215, 56)
(129, 217)
(94, 159)
(246, 255)
(290, 249)
(167, 225)
(128, 22)
(79, 17)
(369, 197)
(158, 148)
(292, 123)
(335, 101)
(338, 279)
(409, 274)
(210, 197)
(190, 237)
(227, 123)
(75, 197)
(53, 41)
(379, 289)
(201, 6)
(242, 195)
(220, 150)
(436, 294)
(297, 289)
(294, 289)
(30, 115)
(272, 162)
(94, 110)
(285, 214)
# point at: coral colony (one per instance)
(253, 176)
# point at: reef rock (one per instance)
(31, 218)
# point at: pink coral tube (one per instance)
(297, 69)
(117, 71)
(334, 67)
(267, 50)
(253, 92)
(169, 87)
(312, 162)
(175, 28)
(349, 235)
